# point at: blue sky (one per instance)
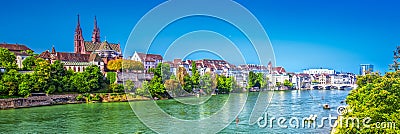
(336, 34)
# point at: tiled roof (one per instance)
(149, 57)
(17, 49)
(90, 46)
(71, 57)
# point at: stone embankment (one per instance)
(34, 101)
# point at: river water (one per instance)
(119, 117)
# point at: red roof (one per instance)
(16, 48)
(149, 57)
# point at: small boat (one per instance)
(326, 106)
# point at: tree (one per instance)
(116, 88)
(288, 84)
(206, 83)
(7, 59)
(94, 77)
(10, 82)
(80, 83)
(173, 88)
(224, 84)
(114, 65)
(129, 86)
(128, 65)
(187, 84)
(195, 75)
(111, 77)
(376, 98)
(181, 74)
(29, 63)
(251, 80)
(261, 81)
(41, 75)
(57, 72)
(25, 86)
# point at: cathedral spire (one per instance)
(96, 32)
(78, 38)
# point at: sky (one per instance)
(339, 34)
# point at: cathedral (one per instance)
(86, 53)
(107, 51)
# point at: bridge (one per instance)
(333, 86)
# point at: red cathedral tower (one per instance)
(96, 32)
(79, 46)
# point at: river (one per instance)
(119, 118)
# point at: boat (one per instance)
(326, 106)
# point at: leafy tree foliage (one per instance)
(129, 86)
(29, 63)
(287, 83)
(256, 80)
(115, 65)
(111, 77)
(7, 59)
(187, 84)
(128, 65)
(376, 98)
(195, 75)
(224, 84)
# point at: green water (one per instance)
(119, 118)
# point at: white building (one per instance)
(318, 71)
(148, 60)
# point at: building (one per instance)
(74, 61)
(148, 60)
(366, 68)
(318, 71)
(19, 50)
(107, 51)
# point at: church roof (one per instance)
(93, 46)
(71, 57)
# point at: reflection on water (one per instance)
(118, 117)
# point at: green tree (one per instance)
(94, 77)
(206, 83)
(187, 85)
(251, 80)
(29, 63)
(287, 83)
(129, 86)
(41, 75)
(261, 81)
(7, 59)
(376, 98)
(10, 82)
(57, 72)
(116, 88)
(25, 86)
(195, 75)
(111, 77)
(80, 83)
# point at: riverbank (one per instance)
(48, 100)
